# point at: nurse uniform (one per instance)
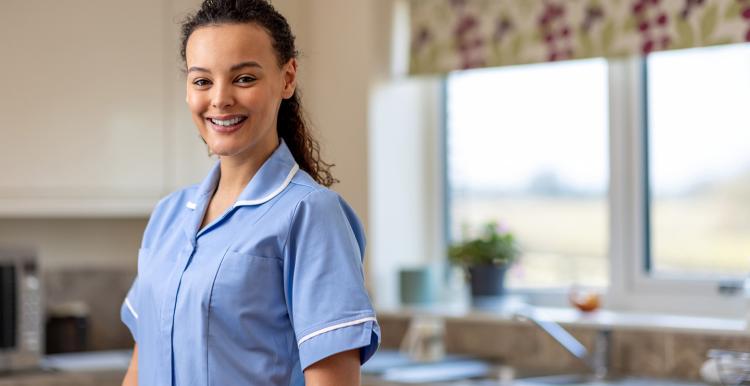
(272, 286)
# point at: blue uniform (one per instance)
(272, 286)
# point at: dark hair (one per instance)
(291, 124)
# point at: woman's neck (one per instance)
(238, 170)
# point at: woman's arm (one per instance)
(341, 369)
(131, 377)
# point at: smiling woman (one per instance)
(236, 83)
(254, 276)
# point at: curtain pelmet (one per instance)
(449, 35)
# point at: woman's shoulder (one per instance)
(306, 191)
(322, 215)
(312, 200)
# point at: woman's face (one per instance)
(235, 87)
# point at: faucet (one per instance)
(598, 362)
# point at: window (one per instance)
(628, 173)
(527, 146)
(699, 161)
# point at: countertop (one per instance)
(93, 368)
(58, 378)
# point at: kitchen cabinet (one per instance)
(93, 120)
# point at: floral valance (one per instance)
(460, 34)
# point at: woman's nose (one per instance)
(222, 97)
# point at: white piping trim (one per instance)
(273, 194)
(191, 205)
(130, 307)
(335, 327)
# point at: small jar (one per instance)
(67, 327)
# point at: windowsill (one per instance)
(571, 317)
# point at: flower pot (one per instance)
(487, 280)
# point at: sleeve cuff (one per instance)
(129, 317)
(329, 341)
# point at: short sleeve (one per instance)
(128, 310)
(324, 280)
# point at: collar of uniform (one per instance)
(273, 176)
(270, 180)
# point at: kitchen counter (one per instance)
(58, 378)
(392, 368)
(93, 368)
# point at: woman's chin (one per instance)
(230, 147)
(224, 151)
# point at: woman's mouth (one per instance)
(226, 124)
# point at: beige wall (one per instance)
(342, 55)
(61, 243)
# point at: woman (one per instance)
(253, 277)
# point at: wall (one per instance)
(345, 53)
(64, 243)
(406, 183)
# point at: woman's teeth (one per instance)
(228, 122)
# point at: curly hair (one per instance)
(292, 126)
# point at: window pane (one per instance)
(528, 147)
(699, 150)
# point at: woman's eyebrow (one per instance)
(233, 68)
(198, 69)
(246, 64)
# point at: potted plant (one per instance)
(486, 259)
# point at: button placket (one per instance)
(168, 311)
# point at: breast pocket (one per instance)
(248, 321)
(248, 295)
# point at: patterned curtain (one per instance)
(449, 35)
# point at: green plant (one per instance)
(493, 246)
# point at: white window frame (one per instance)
(631, 287)
(636, 288)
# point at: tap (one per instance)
(597, 362)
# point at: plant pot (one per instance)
(487, 280)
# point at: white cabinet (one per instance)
(92, 114)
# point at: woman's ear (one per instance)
(290, 78)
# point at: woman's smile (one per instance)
(225, 124)
(235, 86)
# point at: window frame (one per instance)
(632, 286)
(639, 287)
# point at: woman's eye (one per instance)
(245, 79)
(201, 82)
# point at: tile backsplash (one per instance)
(103, 291)
(634, 352)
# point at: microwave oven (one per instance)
(21, 324)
